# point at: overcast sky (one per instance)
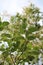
(13, 6)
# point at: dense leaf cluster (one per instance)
(20, 38)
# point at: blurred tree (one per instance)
(24, 37)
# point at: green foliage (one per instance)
(1, 26)
(32, 12)
(23, 45)
(5, 23)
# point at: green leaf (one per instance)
(5, 23)
(15, 46)
(2, 48)
(31, 37)
(1, 26)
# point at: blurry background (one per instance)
(13, 6)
